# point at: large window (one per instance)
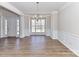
(18, 27)
(5, 27)
(38, 25)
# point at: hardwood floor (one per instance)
(34, 46)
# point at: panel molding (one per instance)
(70, 41)
(54, 34)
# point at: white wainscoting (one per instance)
(70, 40)
(54, 35)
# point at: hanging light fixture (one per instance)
(37, 16)
(37, 9)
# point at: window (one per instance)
(17, 27)
(38, 25)
(5, 27)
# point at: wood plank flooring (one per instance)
(33, 46)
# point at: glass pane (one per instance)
(5, 26)
(17, 33)
(33, 25)
(38, 22)
(43, 25)
(17, 26)
(42, 22)
(38, 25)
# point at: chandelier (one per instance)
(37, 16)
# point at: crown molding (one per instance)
(54, 12)
(65, 6)
(10, 7)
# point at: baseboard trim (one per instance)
(3, 37)
(52, 38)
(12, 37)
(68, 47)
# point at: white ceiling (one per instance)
(44, 7)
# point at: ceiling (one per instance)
(43, 7)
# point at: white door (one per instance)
(38, 27)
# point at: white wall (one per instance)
(54, 25)
(12, 25)
(68, 26)
(22, 27)
(27, 25)
(48, 25)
